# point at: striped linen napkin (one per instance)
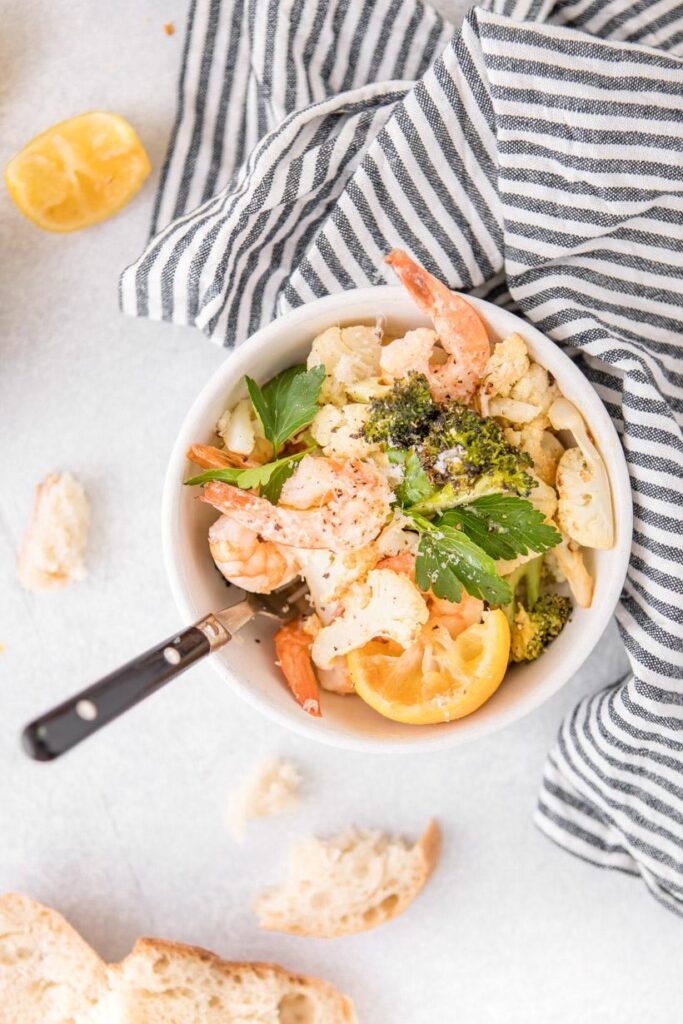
(535, 158)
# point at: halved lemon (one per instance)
(78, 172)
(439, 678)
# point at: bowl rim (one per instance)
(238, 362)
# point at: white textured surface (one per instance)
(128, 834)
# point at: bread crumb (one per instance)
(270, 790)
(169, 28)
(53, 550)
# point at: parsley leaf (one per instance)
(447, 561)
(432, 570)
(286, 403)
(229, 475)
(415, 485)
(269, 478)
(504, 526)
(273, 486)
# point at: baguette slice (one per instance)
(349, 883)
(167, 983)
(48, 973)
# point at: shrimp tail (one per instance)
(293, 651)
(423, 287)
(209, 457)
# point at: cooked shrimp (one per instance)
(460, 330)
(293, 651)
(456, 616)
(209, 457)
(246, 560)
(405, 562)
(338, 504)
(336, 679)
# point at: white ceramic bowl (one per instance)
(248, 667)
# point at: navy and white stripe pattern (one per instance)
(536, 158)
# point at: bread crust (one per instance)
(430, 848)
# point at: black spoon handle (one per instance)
(83, 714)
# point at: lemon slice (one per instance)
(439, 678)
(78, 172)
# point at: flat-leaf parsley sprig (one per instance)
(264, 477)
(284, 406)
(458, 549)
(287, 403)
(448, 561)
(504, 526)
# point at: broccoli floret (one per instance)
(534, 629)
(538, 620)
(470, 454)
(402, 418)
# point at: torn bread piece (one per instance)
(48, 973)
(349, 883)
(166, 983)
(53, 550)
(270, 790)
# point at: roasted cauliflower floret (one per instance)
(367, 390)
(329, 575)
(512, 410)
(349, 355)
(572, 566)
(237, 428)
(387, 605)
(506, 566)
(585, 503)
(395, 539)
(411, 352)
(544, 448)
(543, 497)
(336, 678)
(507, 363)
(339, 431)
(529, 398)
(535, 387)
